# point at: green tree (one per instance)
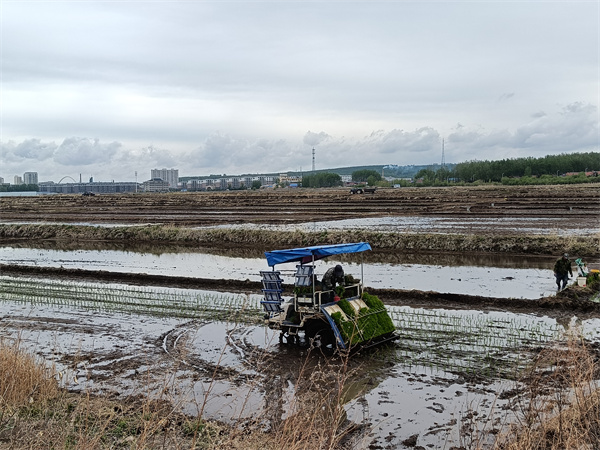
(426, 175)
(256, 184)
(364, 174)
(321, 179)
(19, 187)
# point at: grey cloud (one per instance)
(217, 151)
(506, 96)
(311, 138)
(418, 141)
(30, 149)
(35, 149)
(159, 157)
(76, 151)
(573, 128)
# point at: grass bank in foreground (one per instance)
(268, 239)
(36, 413)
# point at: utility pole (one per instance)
(313, 159)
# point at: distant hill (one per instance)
(389, 170)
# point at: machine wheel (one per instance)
(323, 339)
(285, 338)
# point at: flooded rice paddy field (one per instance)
(559, 226)
(491, 276)
(208, 353)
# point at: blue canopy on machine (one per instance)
(307, 254)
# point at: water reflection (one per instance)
(373, 257)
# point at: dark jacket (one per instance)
(330, 279)
(563, 266)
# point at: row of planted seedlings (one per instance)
(132, 299)
(470, 342)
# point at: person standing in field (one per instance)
(562, 270)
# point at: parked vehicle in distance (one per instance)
(363, 190)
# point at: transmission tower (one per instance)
(443, 156)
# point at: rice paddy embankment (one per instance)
(268, 239)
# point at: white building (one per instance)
(17, 180)
(30, 178)
(155, 185)
(171, 176)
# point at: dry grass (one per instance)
(23, 378)
(558, 406)
(36, 413)
(255, 238)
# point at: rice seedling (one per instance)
(133, 299)
(469, 343)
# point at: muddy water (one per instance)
(560, 226)
(232, 371)
(503, 277)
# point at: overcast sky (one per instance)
(105, 89)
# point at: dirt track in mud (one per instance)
(281, 206)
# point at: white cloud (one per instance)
(76, 151)
(30, 149)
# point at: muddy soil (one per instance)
(231, 371)
(581, 203)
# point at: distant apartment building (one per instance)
(155, 185)
(1, 180)
(171, 176)
(220, 184)
(30, 178)
(17, 180)
(284, 178)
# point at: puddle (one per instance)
(530, 278)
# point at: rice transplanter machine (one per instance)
(341, 319)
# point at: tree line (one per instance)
(18, 187)
(550, 169)
(556, 165)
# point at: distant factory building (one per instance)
(171, 176)
(92, 187)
